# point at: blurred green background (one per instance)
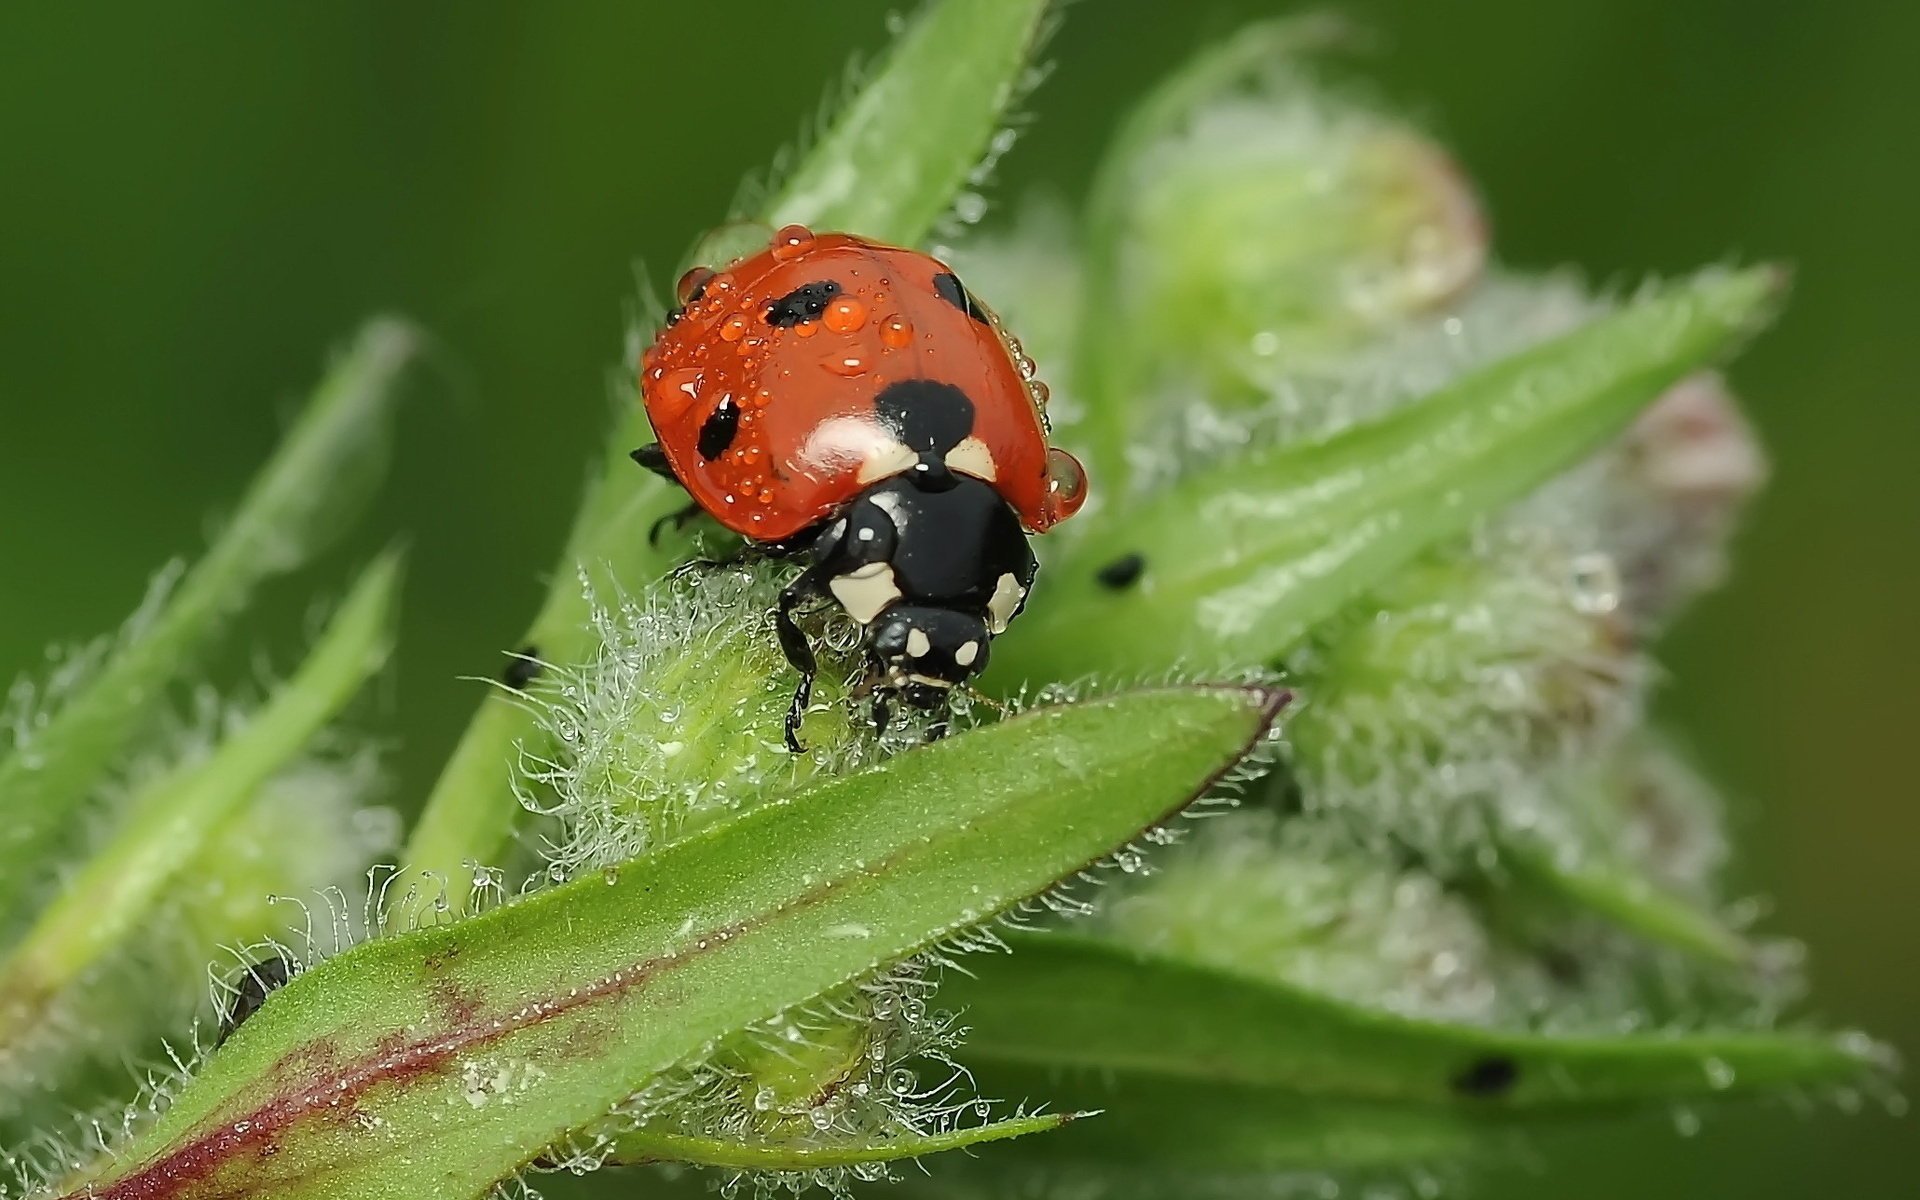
(197, 200)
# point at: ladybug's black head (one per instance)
(922, 652)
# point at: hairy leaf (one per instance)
(437, 1062)
(645, 1146)
(172, 821)
(1214, 1068)
(328, 462)
(1238, 563)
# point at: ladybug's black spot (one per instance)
(1487, 1077)
(804, 303)
(1122, 573)
(950, 289)
(523, 668)
(261, 980)
(930, 417)
(716, 432)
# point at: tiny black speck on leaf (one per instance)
(523, 668)
(1122, 573)
(1488, 1077)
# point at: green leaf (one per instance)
(173, 820)
(437, 1062)
(1606, 886)
(646, 1146)
(1169, 1047)
(328, 462)
(890, 163)
(886, 167)
(1240, 562)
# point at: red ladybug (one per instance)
(853, 405)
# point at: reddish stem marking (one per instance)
(169, 1177)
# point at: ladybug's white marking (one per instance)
(967, 652)
(918, 644)
(885, 460)
(863, 446)
(1007, 596)
(866, 591)
(971, 457)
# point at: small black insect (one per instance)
(1488, 1077)
(522, 668)
(1122, 573)
(261, 980)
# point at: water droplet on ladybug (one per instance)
(733, 328)
(693, 284)
(791, 242)
(806, 329)
(896, 332)
(677, 391)
(1040, 392)
(849, 365)
(1066, 485)
(846, 314)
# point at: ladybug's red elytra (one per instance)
(852, 405)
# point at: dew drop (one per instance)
(896, 332)
(1720, 1074)
(1596, 584)
(733, 328)
(791, 241)
(901, 1082)
(845, 314)
(692, 284)
(1066, 485)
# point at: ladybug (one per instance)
(851, 405)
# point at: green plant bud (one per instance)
(1670, 494)
(310, 830)
(1433, 706)
(1287, 225)
(1295, 901)
(1250, 220)
(679, 717)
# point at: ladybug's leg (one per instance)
(654, 459)
(799, 651)
(675, 521)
